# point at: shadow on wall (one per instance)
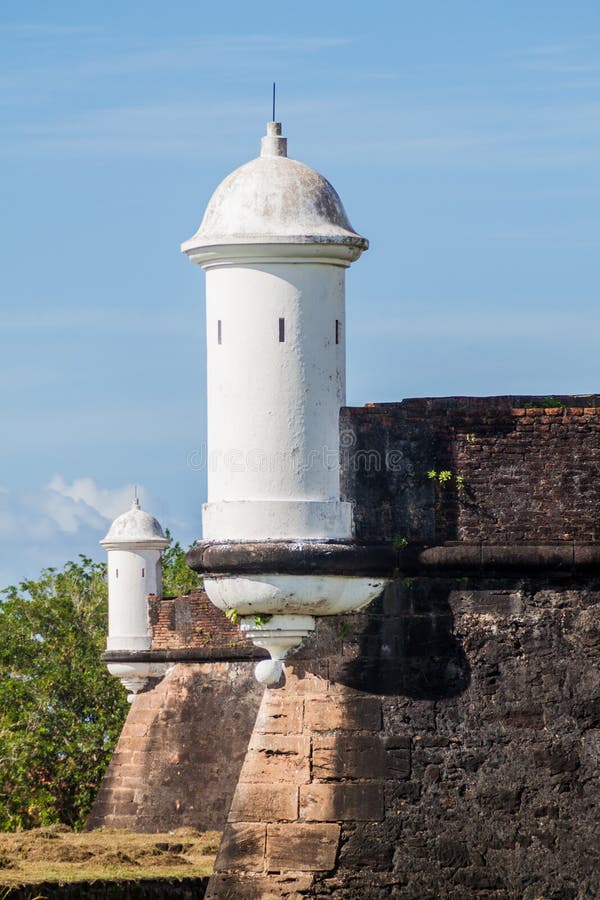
(407, 645)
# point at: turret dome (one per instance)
(275, 200)
(135, 527)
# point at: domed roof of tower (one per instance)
(274, 199)
(135, 527)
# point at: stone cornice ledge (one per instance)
(475, 558)
(293, 558)
(186, 654)
(484, 558)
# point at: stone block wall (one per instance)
(170, 768)
(445, 743)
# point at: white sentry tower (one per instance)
(275, 242)
(134, 544)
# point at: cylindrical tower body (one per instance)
(275, 388)
(132, 575)
(273, 434)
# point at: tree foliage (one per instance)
(177, 577)
(60, 711)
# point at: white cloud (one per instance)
(84, 492)
(61, 507)
(59, 512)
(56, 522)
(49, 525)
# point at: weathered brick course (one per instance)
(278, 715)
(274, 757)
(244, 847)
(355, 714)
(258, 887)
(529, 474)
(192, 621)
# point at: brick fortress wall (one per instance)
(192, 623)
(529, 473)
(169, 768)
(445, 742)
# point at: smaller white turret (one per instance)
(134, 543)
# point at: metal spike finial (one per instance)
(136, 502)
(273, 143)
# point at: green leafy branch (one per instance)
(544, 403)
(259, 620)
(445, 477)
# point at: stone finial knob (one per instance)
(269, 672)
(277, 635)
(272, 144)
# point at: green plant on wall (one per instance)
(442, 477)
(234, 616)
(544, 403)
(445, 477)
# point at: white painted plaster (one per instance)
(134, 676)
(273, 406)
(275, 242)
(262, 520)
(315, 595)
(276, 198)
(134, 545)
(279, 635)
(135, 526)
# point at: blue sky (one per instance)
(463, 138)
